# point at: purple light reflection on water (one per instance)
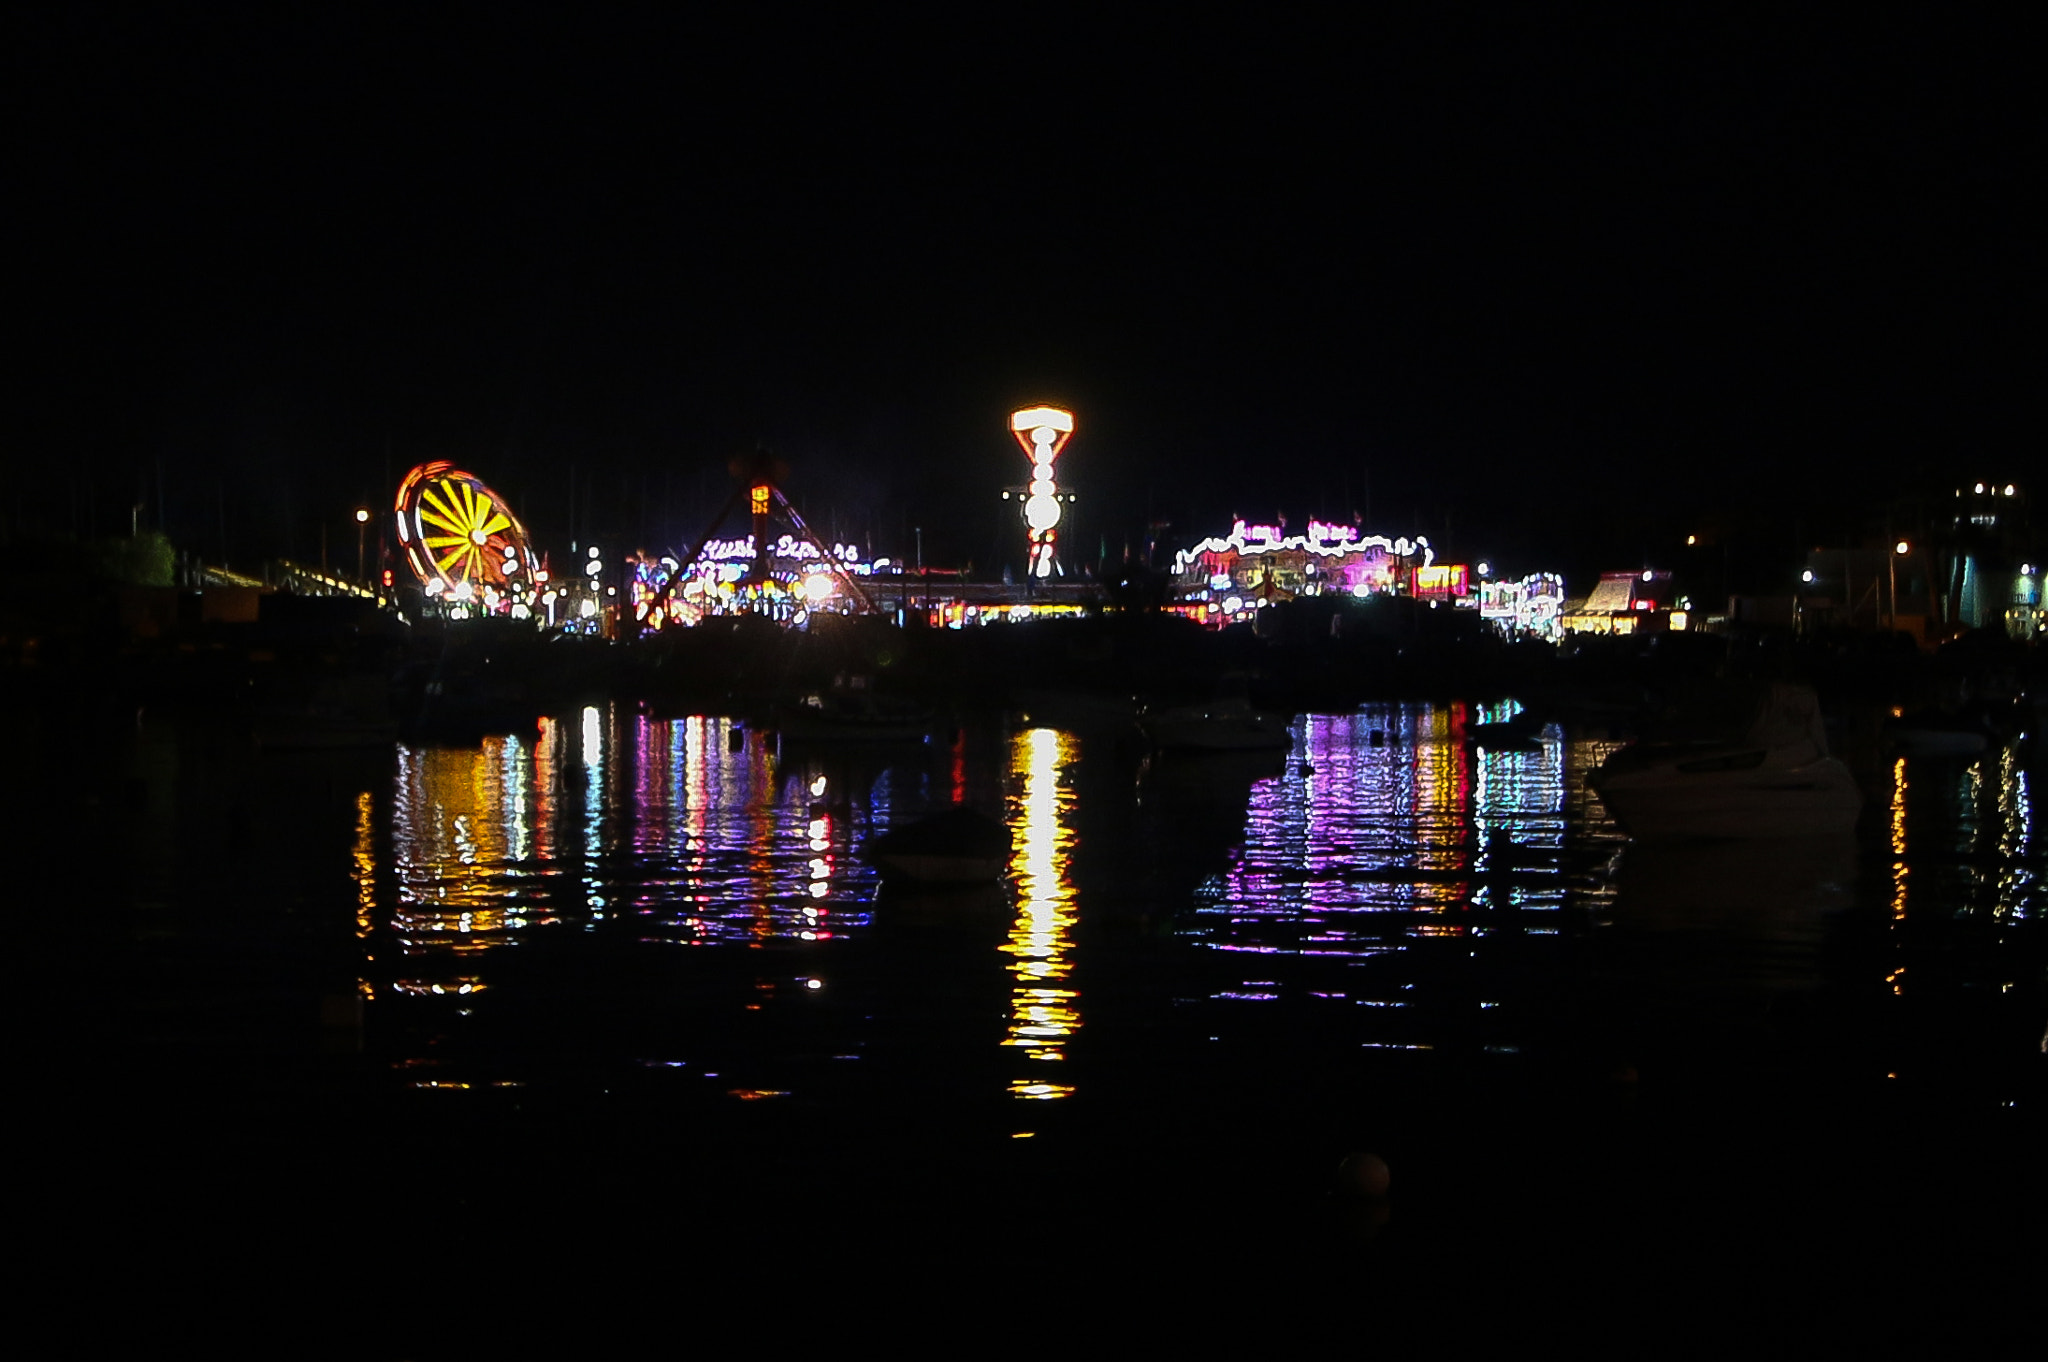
(1360, 854)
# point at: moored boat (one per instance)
(854, 716)
(1219, 726)
(1739, 762)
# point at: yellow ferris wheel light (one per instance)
(457, 531)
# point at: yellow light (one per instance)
(1043, 1014)
(1031, 418)
(2010, 490)
(362, 517)
(1901, 547)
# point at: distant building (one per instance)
(2026, 618)
(1530, 608)
(1988, 569)
(1260, 565)
(1628, 603)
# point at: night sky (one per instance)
(1548, 286)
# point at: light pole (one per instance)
(362, 523)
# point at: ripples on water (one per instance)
(626, 988)
(1414, 891)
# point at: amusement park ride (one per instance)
(1042, 432)
(472, 556)
(464, 544)
(766, 582)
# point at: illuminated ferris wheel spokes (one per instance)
(463, 542)
(468, 527)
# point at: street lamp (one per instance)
(1899, 550)
(362, 522)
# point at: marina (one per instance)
(1203, 981)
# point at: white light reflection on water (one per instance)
(1043, 1015)
(593, 753)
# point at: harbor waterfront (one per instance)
(702, 679)
(627, 980)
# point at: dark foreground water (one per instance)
(593, 1013)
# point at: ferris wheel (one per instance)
(462, 540)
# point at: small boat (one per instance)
(854, 716)
(1220, 726)
(961, 845)
(1740, 761)
(1075, 711)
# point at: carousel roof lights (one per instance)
(1256, 539)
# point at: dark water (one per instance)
(628, 983)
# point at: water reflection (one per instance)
(684, 828)
(1394, 827)
(364, 869)
(1043, 1014)
(458, 828)
(1409, 888)
(1397, 873)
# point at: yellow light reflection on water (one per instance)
(1898, 812)
(1043, 1016)
(1443, 812)
(1896, 979)
(365, 871)
(458, 826)
(547, 760)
